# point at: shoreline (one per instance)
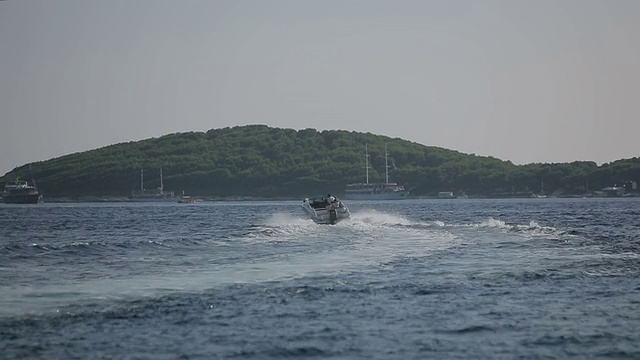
(119, 199)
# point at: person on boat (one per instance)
(333, 201)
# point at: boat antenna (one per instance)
(366, 160)
(386, 163)
(33, 179)
(141, 180)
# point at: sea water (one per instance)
(409, 279)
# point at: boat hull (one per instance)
(187, 200)
(396, 195)
(154, 199)
(21, 199)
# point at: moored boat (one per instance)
(376, 191)
(186, 199)
(20, 192)
(325, 210)
(144, 195)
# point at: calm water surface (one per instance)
(413, 279)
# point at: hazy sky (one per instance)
(526, 81)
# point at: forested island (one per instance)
(257, 161)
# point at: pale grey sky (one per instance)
(526, 81)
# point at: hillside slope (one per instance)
(262, 161)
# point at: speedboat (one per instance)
(325, 210)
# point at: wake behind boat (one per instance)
(325, 210)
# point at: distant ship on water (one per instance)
(21, 192)
(158, 194)
(379, 190)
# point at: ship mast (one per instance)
(386, 164)
(366, 159)
(161, 183)
(141, 180)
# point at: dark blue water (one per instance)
(414, 279)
